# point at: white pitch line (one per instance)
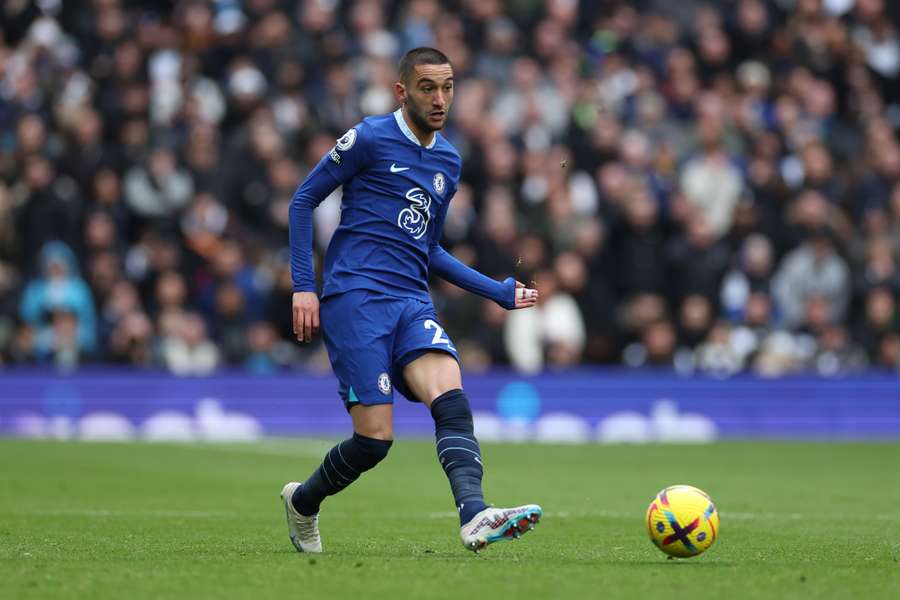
(188, 514)
(306, 449)
(748, 516)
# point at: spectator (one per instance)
(879, 267)
(637, 245)
(230, 267)
(656, 347)
(58, 343)
(171, 292)
(837, 354)
(812, 270)
(710, 181)
(186, 349)
(86, 153)
(488, 340)
(265, 354)
(718, 355)
(9, 242)
(49, 211)
(9, 286)
(123, 300)
(158, 189)
(230, 324)
(879, 321)
(695, 319)
(752, 274)
(58, 305)
(553, 334)
(131, 341)
(697, 261)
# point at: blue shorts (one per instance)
(370, 337)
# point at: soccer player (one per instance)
(376, 315)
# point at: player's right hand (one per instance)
(306, 315)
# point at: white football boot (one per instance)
(498, 524)
(304, 531)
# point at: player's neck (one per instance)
(425, 137)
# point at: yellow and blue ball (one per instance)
(682, 521)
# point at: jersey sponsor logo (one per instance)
(335, 156)
(396, 169)
(346, 141)
(438, 183)
(384, 384)
(414, 219)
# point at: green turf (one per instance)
(204, 521)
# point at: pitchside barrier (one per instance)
(567, 407)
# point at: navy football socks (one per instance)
(342, 466)
(458, 452)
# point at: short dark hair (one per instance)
(422, 55)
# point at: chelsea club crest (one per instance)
(384, 384)
(438, 183)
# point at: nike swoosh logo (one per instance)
(396, 169)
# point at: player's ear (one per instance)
(400, 92)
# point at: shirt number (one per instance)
(438, 334)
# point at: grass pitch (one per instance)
(205, 521)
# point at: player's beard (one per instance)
(420, 120)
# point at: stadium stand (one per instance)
(712, 187)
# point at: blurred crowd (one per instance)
(707, 186)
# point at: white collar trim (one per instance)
(401, 122)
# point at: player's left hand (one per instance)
(525, 297)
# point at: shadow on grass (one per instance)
(670, 564)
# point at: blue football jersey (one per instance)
(395, 198)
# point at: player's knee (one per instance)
(378, 431)
(439, 384)
(374, 422)
(371, 450)
(438, 389)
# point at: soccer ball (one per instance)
(682, 521)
